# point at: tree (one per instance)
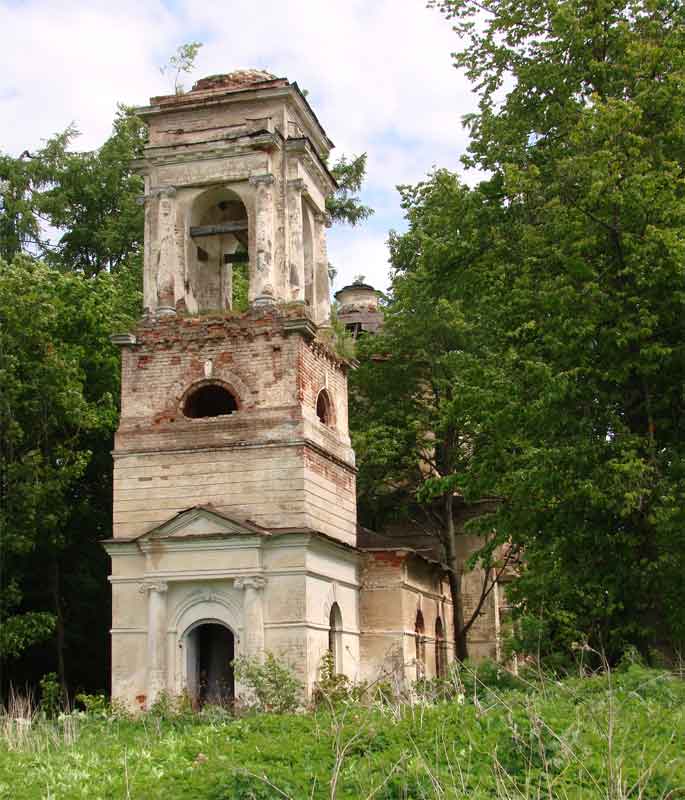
(89, 202)
(344, 204)
(58, 411)
(419, 396)
(580, 121)
(22, 182)
(182, 62)
(94, 202)
(58, 405)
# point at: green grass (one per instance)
(603, 737)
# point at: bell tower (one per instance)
(235, 173)
(234, 477)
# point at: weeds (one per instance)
(481, 733)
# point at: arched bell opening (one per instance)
(209, 400)
(210, 650)
(218, 256)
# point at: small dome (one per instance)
(238, 79)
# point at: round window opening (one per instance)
(210, 400)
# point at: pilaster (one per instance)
(254, 613)
(156, 638)
(295, 245)
(262, 283)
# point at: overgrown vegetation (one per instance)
(528, 385)
(610, 736)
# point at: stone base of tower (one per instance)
(201, 590)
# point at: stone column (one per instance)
(156, 638)
(322, 284)
(167, 260)
(254, 613)
(295, 287)
(262, 278)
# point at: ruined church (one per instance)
(235, 526)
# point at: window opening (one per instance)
(419, 633)
(439, 649)
(209, 401)
(335, 637)
(324, 408)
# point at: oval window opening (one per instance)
(209, 401)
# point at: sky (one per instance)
(379, 75)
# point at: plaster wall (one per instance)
(395, 585)
(302, 577)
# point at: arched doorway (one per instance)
(210, 650)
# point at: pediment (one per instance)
(202, 522)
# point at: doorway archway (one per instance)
(210, 650)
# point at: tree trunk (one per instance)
(454, 577)
(59, 627)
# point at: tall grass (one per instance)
(483, 733)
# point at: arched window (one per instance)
(419, 634)
(335, 637)
(439, 649)
(324, 408)
(210, 400)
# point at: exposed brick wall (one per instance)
(272, 460)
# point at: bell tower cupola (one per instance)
(235, 193)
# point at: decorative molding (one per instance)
(123, 339)
(212, 596)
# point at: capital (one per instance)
(265, 180)
(153, 586)
(162, 191)
(296, 185)
(250, 582)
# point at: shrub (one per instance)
(271, 683)
(50, 695)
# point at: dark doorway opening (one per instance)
(211, 650)
(211, 400)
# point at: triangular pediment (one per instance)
(201, 522)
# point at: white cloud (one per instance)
(357, 252)
(379, 75)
